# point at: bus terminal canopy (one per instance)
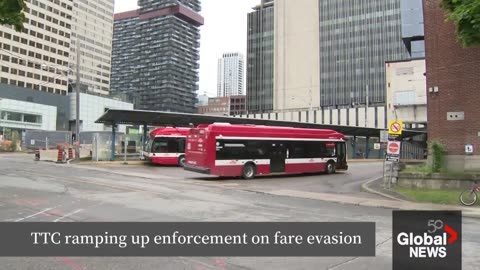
(156, 118)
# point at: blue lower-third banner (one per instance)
(32, 239)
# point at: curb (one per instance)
(106, 163)
(371, 203)
(363, 160)
(365, 188)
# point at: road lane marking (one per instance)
(36, 214)
(69, 214)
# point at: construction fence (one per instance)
(127, 146)
(95, 145)
(45, 140)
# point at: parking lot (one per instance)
(40, 191)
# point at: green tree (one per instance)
(11, 13)
(466, 16)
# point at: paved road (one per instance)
(344, 182)
(75, 193)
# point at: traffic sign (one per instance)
(393, 148)
(376, 146)
(469, 149)
(395, 127)
(383, 135)
(392, 158)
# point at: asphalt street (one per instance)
(41, 191)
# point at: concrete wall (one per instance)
(296, 54)
(406, 91)
(434, 181)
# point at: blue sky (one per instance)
(225, 30)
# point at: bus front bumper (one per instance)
(197, 169)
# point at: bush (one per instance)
(438, 156)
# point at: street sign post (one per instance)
(393, 151)
(383, 136)
(392, 156)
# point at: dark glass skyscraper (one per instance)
(356, 38)
(260, 58)
(156, 53)
(413, 33)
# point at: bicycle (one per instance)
(469, 197)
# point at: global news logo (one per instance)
(430, 244)
(427, 240)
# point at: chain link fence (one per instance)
(45, 140)
(127, 146)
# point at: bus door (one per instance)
(341, 153)
(278, 155)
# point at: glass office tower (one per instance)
(356, 38)
(260, 58)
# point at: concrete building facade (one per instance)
(332, 54)
(232, 105)
(92, 27)
(296, 53)
(21, 116)
(230, 74)
(407, 93)
(215, 106)
(157, 46)
(31, 96)
(91, 108)
(259, 67)
(452, 86)
(38, 57)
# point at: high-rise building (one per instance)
(155, 54)
(413, 33)
(38, 57)
(43, 57)
(92, 27)
(356, 38)
(230, 75)
(333, 54)
(260, 41)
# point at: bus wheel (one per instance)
(249, 171)
(330, 167)
(181, 161)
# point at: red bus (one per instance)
(166, 146)
(247, 150)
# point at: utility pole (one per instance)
(77, 90)
(366, 108)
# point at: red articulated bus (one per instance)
(166, 146)
(248, 150)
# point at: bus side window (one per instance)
(181, 145)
